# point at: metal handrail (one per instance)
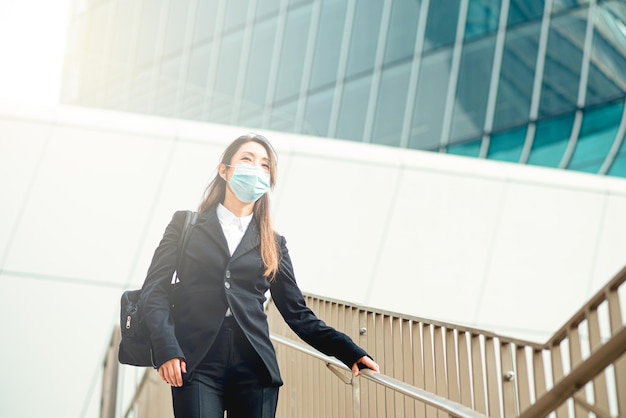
(453, 408)
(579, 376)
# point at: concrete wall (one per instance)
(86, 195)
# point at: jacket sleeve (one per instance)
(290, 303)
(155, 293)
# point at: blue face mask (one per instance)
(249, 183)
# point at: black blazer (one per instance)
(211, 281)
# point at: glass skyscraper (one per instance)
(539, 82)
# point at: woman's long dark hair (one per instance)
(216, 191)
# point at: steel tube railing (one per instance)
(453, 408)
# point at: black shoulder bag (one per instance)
(135, 347)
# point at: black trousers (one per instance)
(231, 378)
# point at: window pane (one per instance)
(267, 8)
(317, 114)
(430, 101)
(148, 30)
(482, 18)
(597, 134)
(619, 164)
(356, 95)
(327, 45)
(469, 149)
(442, 22)
(364, 36)
(560, 5)
(293, 51)
(259, 62)
(206, 14)
(473, 89)
(607, 78)
(550, 141)
(176, 27)
(507, 146)
(561, 75)
(196, 82)
(521, 11)
(517, 76)
(223, 92)
(391, 104)
(402, 30)
(236, 13)
(283, 117)
(167, 87)
(124, 20)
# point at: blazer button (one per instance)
(227, 274)
(227, 285)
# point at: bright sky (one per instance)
(32, 45)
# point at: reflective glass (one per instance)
(265, 8)
(402, 30)
(597, 134)
(442, 23)
(353, 110)
(124, 21)
(283, 118)
(364, 37)
(148, 27)
(430, 101)
(204, 25)
(236, 13)
(292, 55)
(561, 75)
(176, 27)
(521, 11)
(391, 104)
(550, 142)
(259, 62)
(482, 18)
(317, 113)
(618, 168)
(507, 146)
(167, 87)
(560, 5)
(197, 72)
(607, 78)
(517, 76)
(468, 149)
(327, 45)
(473, 89)
(223, 92)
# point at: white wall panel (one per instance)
(499, 246)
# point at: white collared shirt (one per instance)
(233, 227)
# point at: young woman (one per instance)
(212, 343)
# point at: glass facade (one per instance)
(539, 82)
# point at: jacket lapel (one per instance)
(212, 224)
(249, 241)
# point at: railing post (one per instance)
(356, 398)
(109, 380)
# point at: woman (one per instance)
(214, 349)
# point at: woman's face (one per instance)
(250, 153)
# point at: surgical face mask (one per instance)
(249, 183)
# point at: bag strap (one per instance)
(190, 220)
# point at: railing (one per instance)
(433, 369)
(453, 408)
(581, 369)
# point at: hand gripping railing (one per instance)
(452, 408)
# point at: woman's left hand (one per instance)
(367, 362)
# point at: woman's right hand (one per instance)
(172, 372)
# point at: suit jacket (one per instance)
(211, 281)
